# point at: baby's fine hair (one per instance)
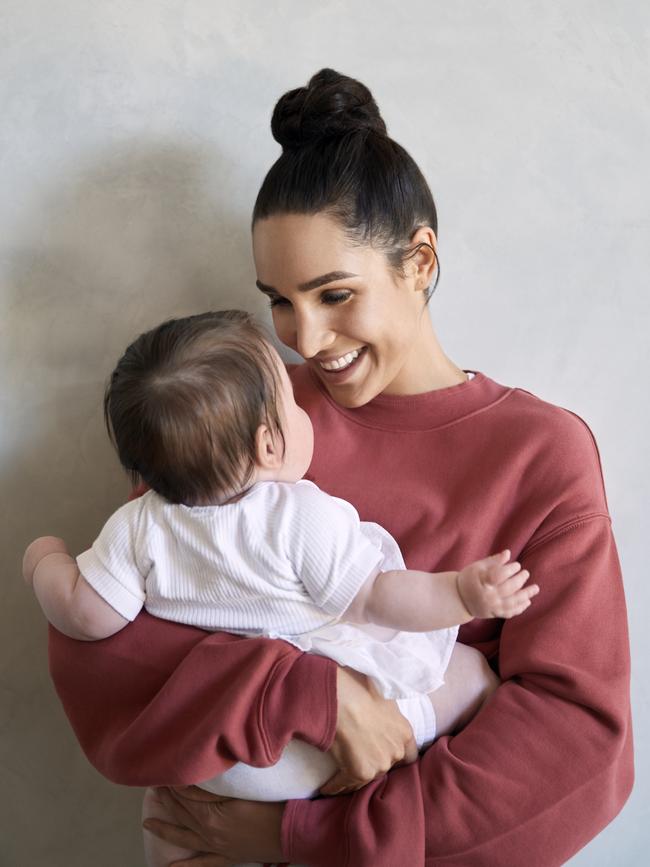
(184, 403)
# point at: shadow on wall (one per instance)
(136, 237)
(140, 234)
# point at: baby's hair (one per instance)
(184, 403)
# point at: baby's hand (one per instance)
(35, 552)
(494, 587)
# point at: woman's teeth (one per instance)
(342, 362)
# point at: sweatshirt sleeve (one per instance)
(546, 763)
(162, 703)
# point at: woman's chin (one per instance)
(350, 388)
(350, 396)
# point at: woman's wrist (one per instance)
(238, 830)
(371, 734)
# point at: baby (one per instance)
(231, 537)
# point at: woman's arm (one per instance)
(421, 601)
(545, 765)
(161, 703)
(68, 601)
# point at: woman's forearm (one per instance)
(164, 677)
(561, 687)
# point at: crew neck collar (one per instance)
(425, 411)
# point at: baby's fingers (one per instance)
(513, 583)
(497, 573)
(519, 601)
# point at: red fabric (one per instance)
(453, 474)
(149, 708)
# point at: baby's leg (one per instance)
(299, 773)
(157, 852)
(469, 682)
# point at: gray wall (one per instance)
(133, 138)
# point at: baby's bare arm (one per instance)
(409, 600)
(68, 601)
(421, 601)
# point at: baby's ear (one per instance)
(268, 449)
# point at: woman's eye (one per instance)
(275, 300)
(326, 298)
(335, 297)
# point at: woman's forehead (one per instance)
(292, 250)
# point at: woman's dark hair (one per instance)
(184, 403)
(338, 159)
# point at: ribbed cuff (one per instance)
(127, 603)
(313, 833)
(300, 702)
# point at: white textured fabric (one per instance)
(419, 711)
(402, 665)
(299, 773)
(284, 561)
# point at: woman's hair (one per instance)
(338, 159)
(184, 403)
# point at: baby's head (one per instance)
(200, 408)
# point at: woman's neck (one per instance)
(427, 367)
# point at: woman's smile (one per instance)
(339, 369)
(340, 363)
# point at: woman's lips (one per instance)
(343, 373)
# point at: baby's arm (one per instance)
(421, 601)
(67, 600)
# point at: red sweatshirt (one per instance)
(453, 474)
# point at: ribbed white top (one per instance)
(286, 558)
(285, 561)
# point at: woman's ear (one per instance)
(424, 258)
(268, 449)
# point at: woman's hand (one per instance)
(224, 830)
(371, 735)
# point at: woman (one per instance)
(453, 465)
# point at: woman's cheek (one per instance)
(283, 328)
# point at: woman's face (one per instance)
(361, 328)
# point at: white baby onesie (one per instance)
(284, 561)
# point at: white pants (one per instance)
(302, 769)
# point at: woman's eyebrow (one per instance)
(316, 283)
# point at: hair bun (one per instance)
(331, 105)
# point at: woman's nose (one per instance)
(312, 335)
